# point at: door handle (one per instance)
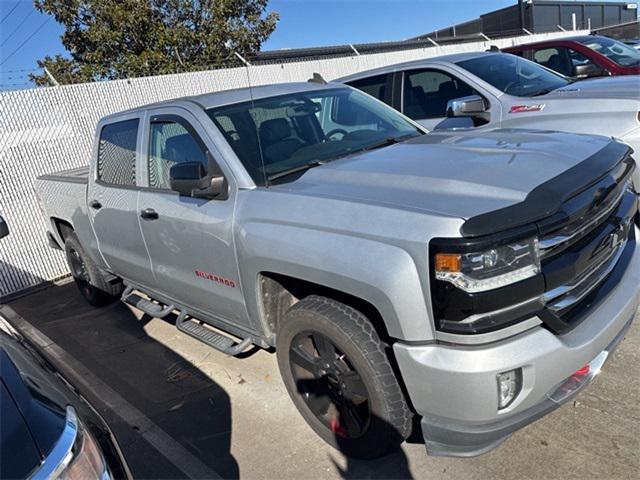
(149, 214)
(95, 204)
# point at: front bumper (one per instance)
(454, 387)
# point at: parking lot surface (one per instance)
(180, 408)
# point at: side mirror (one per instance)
(470, 106)
(190, 178)
(588, 70)
(4, 228)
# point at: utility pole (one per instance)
(51, 78)
(521, 12)
(242, 59)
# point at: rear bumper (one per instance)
(454, 387)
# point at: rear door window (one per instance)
(117, 153)
(426, 93)
(378, 87)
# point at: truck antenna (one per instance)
(317, 78)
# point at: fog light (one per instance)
(509, 384)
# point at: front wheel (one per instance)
(339, 377)
(88, 277)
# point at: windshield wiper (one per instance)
(291, 171)
(385, 142)
(316, 163)
(544, 91)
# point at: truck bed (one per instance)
(63, 197)
(73, 175)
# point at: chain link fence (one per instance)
(44, 130)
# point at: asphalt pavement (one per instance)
(181, 409)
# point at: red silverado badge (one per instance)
(215, 278)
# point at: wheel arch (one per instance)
(279, 292)
(62, 228)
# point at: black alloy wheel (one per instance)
(338, 374)
(330, 385)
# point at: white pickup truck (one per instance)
(479, 90)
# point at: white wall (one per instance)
(44, 130)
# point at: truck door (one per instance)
(190, 240)
(112, 201)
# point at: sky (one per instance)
(27, 35)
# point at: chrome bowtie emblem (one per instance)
(616, 239)
(619, 235)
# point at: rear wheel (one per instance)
(337, 373)
(88, 277)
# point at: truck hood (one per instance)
(626, 87)
(452, 174)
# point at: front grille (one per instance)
(573, 231)
(566, 296)
(581, 255)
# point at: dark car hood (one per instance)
(458, 175)
(34, 390)
(41, 395)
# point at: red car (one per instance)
(582, 57)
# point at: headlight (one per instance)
(76, 455)
(489, 269)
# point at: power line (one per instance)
(17, 27)
(25, 41)
(10, 12)
(22, 84)
(14, 77)
(17, 70)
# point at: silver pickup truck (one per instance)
(474, 281)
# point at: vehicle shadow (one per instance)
(171, 392)
(392, 466)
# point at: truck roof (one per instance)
(452, 58)
(237, 95)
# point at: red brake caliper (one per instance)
(336, 428)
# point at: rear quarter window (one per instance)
(116, 163)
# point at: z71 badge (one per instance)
(527, 108)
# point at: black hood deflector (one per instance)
(548, 198)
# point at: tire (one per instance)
(368, 429)
(88, 277)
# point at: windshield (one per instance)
(615, 51)
(514, 75)
(275, 135)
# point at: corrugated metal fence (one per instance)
(49, 129)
